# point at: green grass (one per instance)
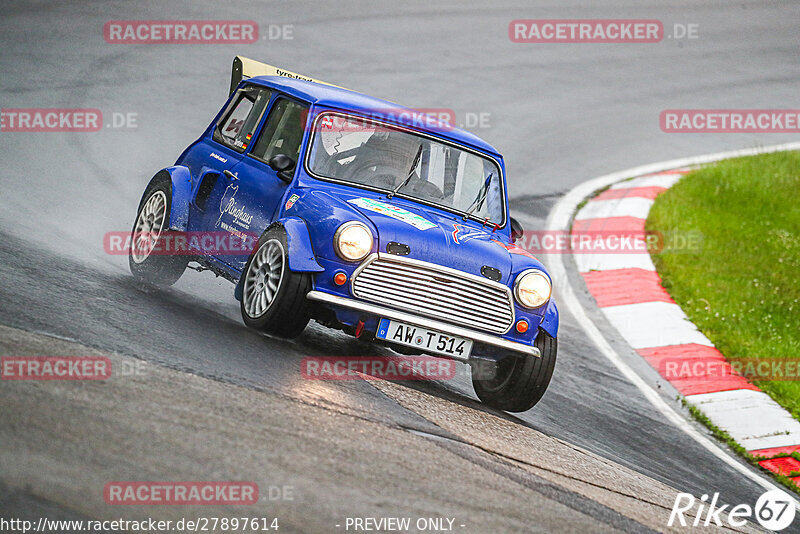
(742, 290)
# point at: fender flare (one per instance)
(550, 320)
(181, 180)
(300, 254)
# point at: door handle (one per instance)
(231, 175)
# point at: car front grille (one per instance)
(433, 291)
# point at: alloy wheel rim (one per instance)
(149, 225)
(263, 279)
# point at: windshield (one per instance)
(364, 152)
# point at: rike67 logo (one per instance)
(774, 511)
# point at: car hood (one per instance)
(432, 235)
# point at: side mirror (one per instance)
(516, 230)
(282, 164)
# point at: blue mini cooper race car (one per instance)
(367, 217)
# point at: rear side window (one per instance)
(283, 131)
(242, 117)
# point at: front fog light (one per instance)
(353, 241)
(532, 288)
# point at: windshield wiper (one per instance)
(478, 202)
(410, 174)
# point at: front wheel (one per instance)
(273, 297)
(147, 259)
(520, 381)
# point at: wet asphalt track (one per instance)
(560, 114)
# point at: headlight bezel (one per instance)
(338, 234)
(517, 283)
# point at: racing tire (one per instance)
(520, 381)
(149, 228)
(274, 297)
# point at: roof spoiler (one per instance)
(245, 68)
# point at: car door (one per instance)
(221, 153)
(257, 189)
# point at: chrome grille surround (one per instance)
(430, 290)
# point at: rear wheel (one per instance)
(520, 381)
(146, 258)
(273, 297)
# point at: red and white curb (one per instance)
(628, 291)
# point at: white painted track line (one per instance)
(657, 180)
(607, 262)
(618, 207)
(654, 324)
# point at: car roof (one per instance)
(345, 99)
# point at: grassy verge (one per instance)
(742, 290)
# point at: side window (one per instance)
(241, 119)
(283, 131)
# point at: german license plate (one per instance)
(424, 339)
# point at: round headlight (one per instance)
(352, 241)
(532, 288)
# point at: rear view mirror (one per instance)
(516, 230)
(282, 164)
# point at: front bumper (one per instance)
(381, 311)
